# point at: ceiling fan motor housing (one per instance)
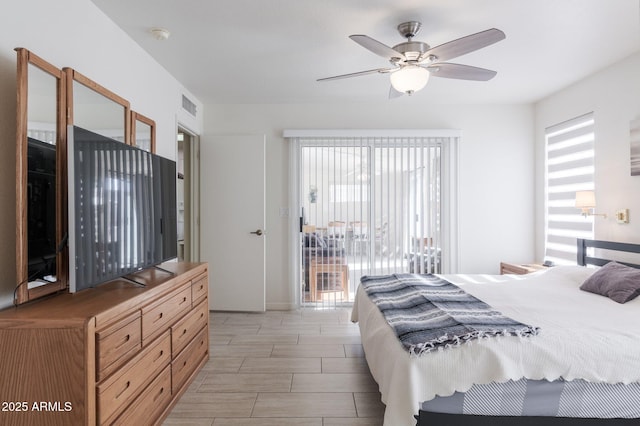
(412, 50)
(409, 29)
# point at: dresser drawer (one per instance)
(199, 288)
(185, 364)
(117, 343)
(151, 402)
(188, 327)
(117, 391)
(158, 316)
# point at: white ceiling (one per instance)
(272, 51)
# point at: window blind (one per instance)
(569, 168)
(372, 205)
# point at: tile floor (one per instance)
(303, 367)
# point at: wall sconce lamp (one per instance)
(586, 200)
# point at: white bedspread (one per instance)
(583, 335)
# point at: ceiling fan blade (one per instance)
(393, 93)
(376, 47)
(465, 45)
(461, 72)
(356, 74)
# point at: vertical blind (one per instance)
(570, 168)
(371, 205)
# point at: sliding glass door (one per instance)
(368, 206)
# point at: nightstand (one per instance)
(519, 268)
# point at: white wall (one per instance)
(496, 172)
(496, 167)
(613, 94)
(77, 34)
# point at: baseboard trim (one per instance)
(281, 307)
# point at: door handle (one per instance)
(258, 232)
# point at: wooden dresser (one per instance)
(119, 353)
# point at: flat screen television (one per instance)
(122, 209)
(41, 209)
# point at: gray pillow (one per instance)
(618, 282)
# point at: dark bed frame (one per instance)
(584, 259)
(428, 418)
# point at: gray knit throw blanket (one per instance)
(428, 313)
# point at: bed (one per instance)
(582, 367)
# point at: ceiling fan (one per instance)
(412, 62)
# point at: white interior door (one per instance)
(233, 220)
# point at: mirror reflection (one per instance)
(41, 177)
(144, 136)
(96, 112)
(41, 105)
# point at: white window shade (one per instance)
(569, 169)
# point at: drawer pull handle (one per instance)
(159, 394)
(160, 355)
(184, 331)
(160, 315)
(184, 299)
(124, 341)
(124, 390)
(184, 364)
(201, 314)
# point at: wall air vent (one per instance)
(189, 106)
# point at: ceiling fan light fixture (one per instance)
(409, 79)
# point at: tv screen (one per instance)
(122, 209)
(41, 209)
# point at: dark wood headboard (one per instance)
(584, 260)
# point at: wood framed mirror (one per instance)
(41, 264)
(96, 108)
(48, 100)
(143, 132)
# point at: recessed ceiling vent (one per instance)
(189, 106)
